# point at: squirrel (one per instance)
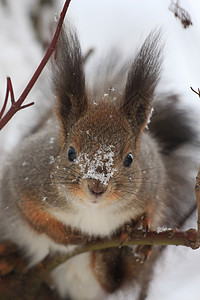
(95, 166)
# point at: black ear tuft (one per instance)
(69, 78)
(142, 80)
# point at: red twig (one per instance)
(6, 99)
(17, 105)
(10, 89)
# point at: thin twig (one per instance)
(198, 93)
(10, 87)
(16, 106)
(5, 101)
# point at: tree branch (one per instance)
(31, 283)
(197, 193)
(17, 105)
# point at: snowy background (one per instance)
(102, 25)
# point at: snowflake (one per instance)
(102, 160)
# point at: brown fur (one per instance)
(44, 188)
(41, 221)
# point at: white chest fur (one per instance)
(96, 221)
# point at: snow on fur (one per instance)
(102, 159)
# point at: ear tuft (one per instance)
(142, 80)
(69, 78)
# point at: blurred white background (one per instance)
(102, 25)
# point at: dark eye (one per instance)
(71, 154)
(128, 160)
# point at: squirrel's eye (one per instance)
(71, 154)
(128, 160)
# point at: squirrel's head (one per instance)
(100, 138)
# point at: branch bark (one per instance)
(29, 284)
(197, 193)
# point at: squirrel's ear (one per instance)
(141, 82)
(69, 79)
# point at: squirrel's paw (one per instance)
(6, 266)
(9, 258)
(126, 231)
(142, 253)
(143, 223)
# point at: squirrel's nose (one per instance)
(97, 188)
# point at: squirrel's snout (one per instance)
(96, 188)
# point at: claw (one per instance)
(126, 231)
(142, 253)
(143, 222)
